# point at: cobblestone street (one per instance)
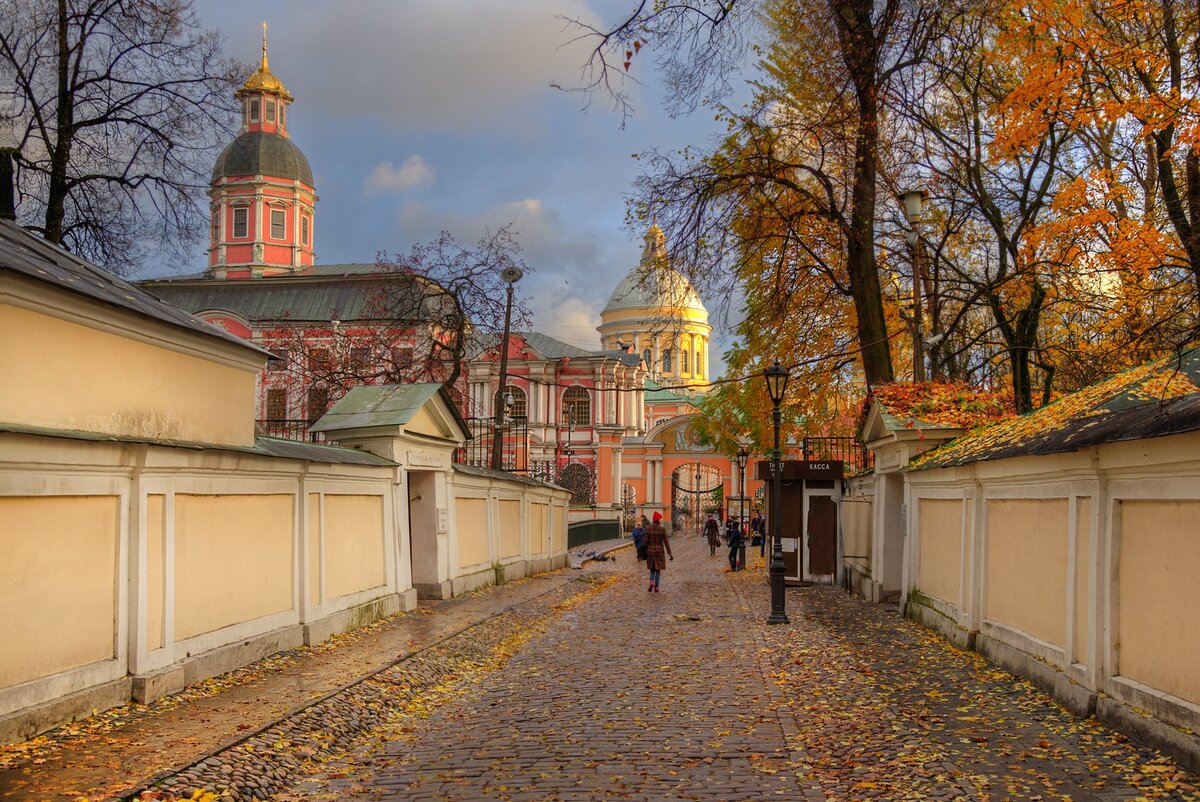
(687, 694)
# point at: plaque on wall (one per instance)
(443, 520)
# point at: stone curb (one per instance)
(204, 759)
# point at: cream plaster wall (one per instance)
(82, 379)
(1026, 566)
(1083, 578)
(58, 582)
(558, 531)
(1159, 560)
(856, 531)
(472, 518)
(233, 560)
(316, 533)
(156, 544)
(509, 519)
(537, 528)
(940, 524)
(354, 544)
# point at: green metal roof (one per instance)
(369, 296)
(655, 393)
(383, 405)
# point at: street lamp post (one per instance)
(511, 275)
(743, 456)
(777, 379)
(913, 202)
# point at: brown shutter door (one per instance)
(822, 535)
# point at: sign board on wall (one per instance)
(803, 469)
(443, 520)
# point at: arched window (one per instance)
(683, 368)
(648, 358)
(576, 407)
(520, 407)
(667, 361)
(699, 360)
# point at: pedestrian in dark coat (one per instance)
(658, 549)
(735, 544)
(712, 530)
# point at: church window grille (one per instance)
(319, 359)
(683, 361)
(401, 359)
(278, 224)
(648, 358)
(241, 223)
(303, 230)
(254, 110)
(666, 361)
(277, 403)
(318, 402)
(360, 357)
(576, 407)
(520, 405)
(281, 364)
(270, 111)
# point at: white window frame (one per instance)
(282, 213)
(270, 111)
(304, 229)
(254, 110)
(244, 212)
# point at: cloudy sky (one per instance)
(423, 115)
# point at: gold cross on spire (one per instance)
(264, 57)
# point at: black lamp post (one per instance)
(511, 275)
(743, 456)
(777, 379)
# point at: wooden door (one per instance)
(822, 536)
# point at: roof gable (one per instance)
(419, 408)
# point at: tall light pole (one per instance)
(913, 202)
(777, 379)
(743, 456)
(511, 275)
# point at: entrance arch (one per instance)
(693, 494)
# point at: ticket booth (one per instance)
(809, 527)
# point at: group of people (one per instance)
(653, 545)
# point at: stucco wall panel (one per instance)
(354, 544)
(472, 521)
(132, 388)
(315, 533)
(509, 519)
(156, 510)
(1027, 566)
(940, 523)
(1083, 578)
(62, 552)
(1159, 560)
(538, 543)
(856, 530)
(233, 560)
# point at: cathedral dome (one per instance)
(653, 284)
(263, 153)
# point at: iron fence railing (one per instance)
(579, 477)
(514, 444)
(289, 429)
(855, 456)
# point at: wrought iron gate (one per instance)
(694, 491)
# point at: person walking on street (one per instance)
(658, 549)
(712, 531)
(639, 538)
(735, 543)
(758, 526)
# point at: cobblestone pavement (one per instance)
(688, 694)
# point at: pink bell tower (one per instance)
(262, 189)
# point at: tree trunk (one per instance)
(60, 154)
(860, 51)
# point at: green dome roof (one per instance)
(260, 153)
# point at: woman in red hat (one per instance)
(658, 549)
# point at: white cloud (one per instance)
(414, 173)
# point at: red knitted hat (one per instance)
(657, 517)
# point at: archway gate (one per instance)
(696, 489)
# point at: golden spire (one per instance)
(655, 251)
(262, 80)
